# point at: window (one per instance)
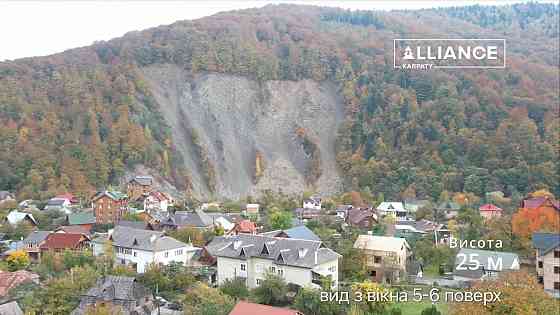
(243, 267)
(373, 273)
(557, 254)
(272, 269)
(556, 269)
(179, 252)
(280, 272)
(258, 281)
(540, 264)
(332, 269)
(556, 285)
(166, 254)
(377, 259)
(135, 254)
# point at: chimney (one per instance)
(153, 238)
(315, 257)
(302, 252)
(236, 244)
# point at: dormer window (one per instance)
(242, 253)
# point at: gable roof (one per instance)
(532, 203)
(246, 226)
(381, 243)
(302, 232)
(73, 229)
(81, 218)
(198, 218)
(449, 205)
(57, 202)
(487, 258)
(36, 237)
(147, 240)
(356, 215)
(246, 308)
(6, 195)
(545, 242)
(118, 288)
(391, 206)
(489, 207)
(142, 180)
(15, 217)
(115, 195)
(285, 249)
(63, 241)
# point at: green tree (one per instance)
(271, 291)
(280, 220)
(308, 301)
(18, 260)
(432, 310)
(236, 288)
(203, 300)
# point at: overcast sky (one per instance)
(37, 28)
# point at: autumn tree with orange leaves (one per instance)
(519, 292)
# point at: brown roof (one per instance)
(74, 229)
(10, 280)
(246, 308)
(63, 241)
(355, 216)
(532, 203)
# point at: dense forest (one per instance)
(75, 121)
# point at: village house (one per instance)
(6, 196)
(180, 219)
(155, 201)
(60, 242)
(138, 186)
(250, 257)
(449, 209)
(16, 217)
(386, 257)
(395, 209)
(547, 246)
(252, 209)
(415, 229)
(477, 264)
(413, 205)
(299, 232)
(243, 226)
(58, 204)
(84, 219)
(32, 243)
(312, 202)
(363, 218)
(541, 203)
(489, 211)
(342, 211)
(109, 206)
(247, 308)
(73, 229)
(125, 295)
(305, 214)
(140, 248)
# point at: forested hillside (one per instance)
(77, 120)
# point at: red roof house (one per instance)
(488, 211)
(244, 226)
(246, 308)
(65, 241)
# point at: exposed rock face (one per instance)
(231, 118)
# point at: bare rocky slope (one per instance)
(232, 119)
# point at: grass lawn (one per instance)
(415, 308)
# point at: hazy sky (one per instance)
(37, 28)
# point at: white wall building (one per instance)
(312, 203)
(392, 208)
(140, 248)
(301, 262)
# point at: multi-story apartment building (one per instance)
(109, 206)
(547, 247)
(305, 263)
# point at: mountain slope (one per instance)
(289, 97)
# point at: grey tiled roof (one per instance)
(36, 237)
(282, 250)
(128, 237)
(117, 288)
(185, 218)
(143, 180)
